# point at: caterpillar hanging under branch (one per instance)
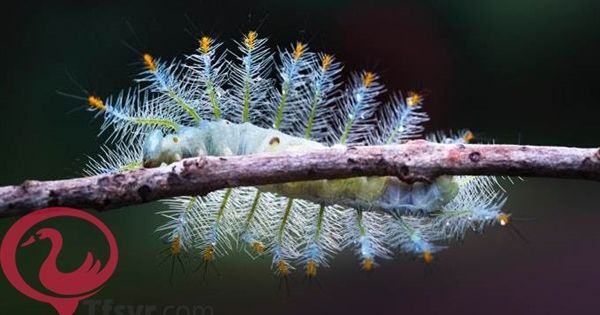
(218, 102)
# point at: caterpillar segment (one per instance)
(286, 244)
(250, 100)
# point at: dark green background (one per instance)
(512, 71)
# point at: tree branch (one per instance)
(414, 161)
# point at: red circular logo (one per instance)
(71, 287)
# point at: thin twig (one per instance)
(415, 161)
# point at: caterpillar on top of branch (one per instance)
(252, 100)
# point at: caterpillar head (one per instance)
(152, 148)
(159, 148)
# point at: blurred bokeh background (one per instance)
(512, 71)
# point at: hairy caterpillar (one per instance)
(228, 103)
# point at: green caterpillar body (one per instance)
(222, 138)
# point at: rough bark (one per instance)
(413, 161)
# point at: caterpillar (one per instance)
(253, 100)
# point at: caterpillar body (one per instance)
(228, 103)
(387, 194)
